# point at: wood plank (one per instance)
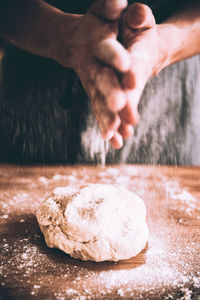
(168, 268)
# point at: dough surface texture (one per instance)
(94, 222)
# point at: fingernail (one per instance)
(107, 136)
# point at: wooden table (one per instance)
(169, 267)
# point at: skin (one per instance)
(113, 74)
(153, 47)
(97, 57)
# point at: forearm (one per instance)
(181, 34)
(37, 27)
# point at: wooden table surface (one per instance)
(169, 267)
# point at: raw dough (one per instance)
(94, 222)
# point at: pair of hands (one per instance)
(114, 73)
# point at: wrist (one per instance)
(63, 47)
(172, 42)
(168, 40)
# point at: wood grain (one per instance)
(168, 268)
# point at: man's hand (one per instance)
(98, 58)
(148, 56)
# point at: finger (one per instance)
(108, 9)
(130, 113)
(126, 130)
(108, 121)
(117, 141)
(108, 125)
(111, 92)
(128, 80)
(139, 16)
(139, 75)
(113, 53)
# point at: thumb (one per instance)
(139, 16)
(108, 9)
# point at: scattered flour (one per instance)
(170, 267)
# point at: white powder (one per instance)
(170, 267)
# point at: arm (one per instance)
(153, 47)
(88, 44)
(34, 26)
(184, 33)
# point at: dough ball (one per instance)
(94, 222)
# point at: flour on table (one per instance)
(94, 222)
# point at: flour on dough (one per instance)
(94, 222)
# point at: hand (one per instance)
(98, 58)
(141, 37)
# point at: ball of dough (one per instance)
(94, 222)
